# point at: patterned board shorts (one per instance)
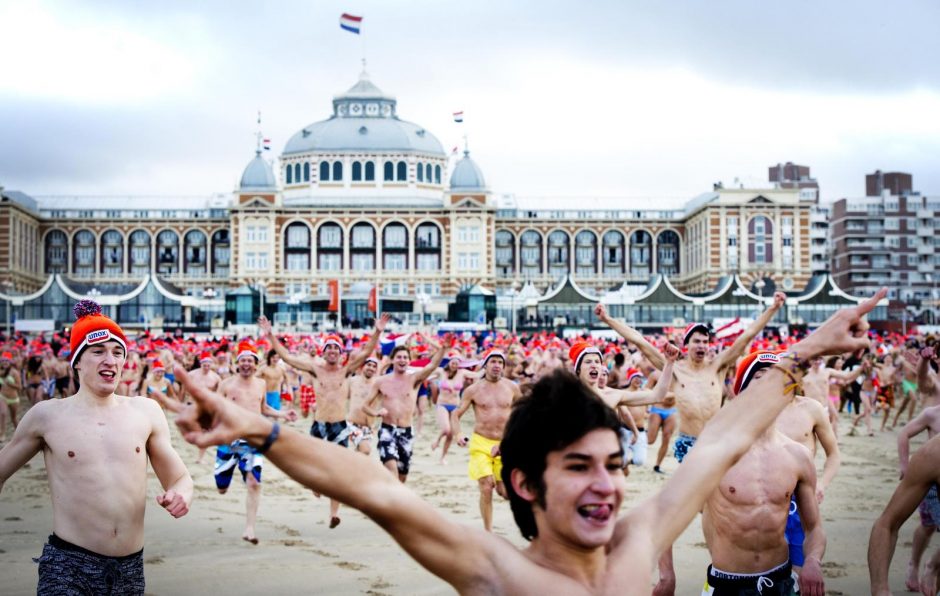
(683, 443)
(65, 568)
(239, 454)
(359, 434)
(334, 432)
(396, 443)
(308, 399)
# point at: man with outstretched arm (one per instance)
(96, 445)
(563, 471)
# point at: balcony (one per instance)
(925, 232)
(818, 233)
(925, 214)
(926, 268)
(925, 249)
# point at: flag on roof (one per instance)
(267, 144)
(350, 23)
(458, 116)
(454, 150)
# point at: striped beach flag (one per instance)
(350, 23)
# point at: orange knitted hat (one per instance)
(91, 327)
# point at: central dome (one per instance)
(364, 119)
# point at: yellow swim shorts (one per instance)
(482, 464)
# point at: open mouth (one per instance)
(599, 513)
(109, 375)
(593, 374)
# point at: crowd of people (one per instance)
(744, 416)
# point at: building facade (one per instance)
(367, 199)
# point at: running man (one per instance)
(246, 390)
(563, 471)
(96, 445)
(697, 384)
(360, 388)
(274, 379)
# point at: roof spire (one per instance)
(466, 146)
(259, 137)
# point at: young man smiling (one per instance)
(96, 445)
(562, 468)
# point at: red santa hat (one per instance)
(244, 348)
(579, 350)
(749, 366)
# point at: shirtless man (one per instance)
(563, 469)
(816, 385)
(929, 510)
(274, 378)
(204, 376)
(360, 388)
(744, 519)
(491, 399)
(96, 445)
(921, 475)
(246, 390)
(806, 421)
(393, 398)
(330, 386)
(697, 384)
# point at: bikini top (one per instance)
(152, 388)
(7, 379)
(448, 385)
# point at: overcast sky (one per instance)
(629, 99)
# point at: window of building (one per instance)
(468, 233)
(401, 171)
(892, 223)
(437, 174)
(324, 171)
(396, 236)
(370, 171)
(289, 174)
(427, 262)
(329, 261)
(394, 261)
(337, 171)
(363, 236)
(306, 171)
(297, 172)
(420, 172)
(388, 171)
(427, 171)
(298, 262)
(363, 262)
(298, 236)
(330, 236)
(356, 171)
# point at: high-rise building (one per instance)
(898, 184)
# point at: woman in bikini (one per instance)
(867, 393)
(449, 385)
(158, 388)
(130, 376)
(34, 378)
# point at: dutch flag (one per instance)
(390, 341)
(350, 23)
(267, 144)
(458, 116)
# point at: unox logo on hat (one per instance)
(768, 358)
(96, 337)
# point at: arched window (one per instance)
(388, 171)
(324, 171)
(196, 252)
(57, 244)
(140, 252)
(437, 174)
(362, 247)
(370, 171)
(356, 171)
(530, 254)
(558, 253)
(395, 247)
(428, 247)
(420, 172)
(83, 254)
(427, 172)
(612, 254)
(667, 253)
(760, 244)
(505, 253)
(167, 252)
(330, 247)
(401, 172)
(585, 258)
(289, 174)
(297, 247)
(221, 252)
(306, 171)
(112, 253)
(640, 247)
(337, 171)
(297, 173)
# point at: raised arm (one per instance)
(730, 356)
(360, 357)
(297, 362)
(26, 441)
(730, 433)
(360, 482)
(631, 335)
(430, 367)
(658, 393)
(846, 376)
(921, 474)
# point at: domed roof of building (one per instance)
(364, 119)
(258, 175)
(467, 175)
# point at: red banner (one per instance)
(373, 304)
(333, 286)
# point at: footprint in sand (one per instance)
(700, 545)
(154, 560)
(322, 553)
(14, 518)
(833, 569)
(350, 565)
(293, 542)
(381, 584)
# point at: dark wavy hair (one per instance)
(558, 412)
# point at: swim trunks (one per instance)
(334, 432)
(929, 509)
(65, 568)
(396, 443)
(308, 399)
(908, 387)
(240, 454)
(778, 581)
(683, 443)
(62, 384)
(664, 413)
(359, 433)
(273, 399)
(794, 534)
(482, 463)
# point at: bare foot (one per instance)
(443, 462)
(334, 521)
(911, 582)
(665, 587)
(251, 539)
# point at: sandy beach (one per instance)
(202, 553)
